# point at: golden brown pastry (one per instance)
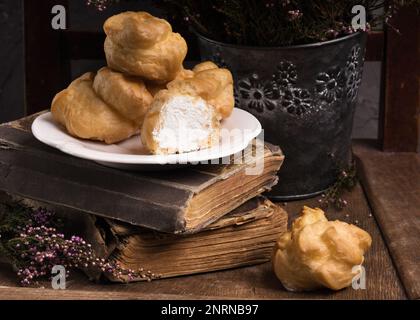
(184, 74)
(319, 253)
(179, 123)
(125, 94)
(213, 84)
(203, 66)
(154, 87)
(86, 116)
(142, 45)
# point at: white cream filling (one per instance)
(185, 124)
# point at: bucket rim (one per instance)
(267, 48)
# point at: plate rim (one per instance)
(75, 149)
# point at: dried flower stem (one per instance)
(346, 181)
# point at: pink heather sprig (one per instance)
(36, 246)
(42, 216)
(294, 15)
(101, 5)
(272, 22)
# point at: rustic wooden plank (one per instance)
(257, 282)
(13, 293)
(401, 114)
(392, 183)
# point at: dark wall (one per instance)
(11, 60)
(83, 17)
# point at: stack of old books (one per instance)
(175, 222)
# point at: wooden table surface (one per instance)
(257, 282)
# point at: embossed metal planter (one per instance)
(305, 98)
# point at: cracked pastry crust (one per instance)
(213, 84)
(319, 253)
(87, 116)
(125, 94)
(179, 123)
(142, 45)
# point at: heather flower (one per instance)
(271, 22)
(32, 243)
(294, 15)
(346, 180)
(101, 5)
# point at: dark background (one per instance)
(81, 17)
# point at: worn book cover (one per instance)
(245, 236)
(184, 200)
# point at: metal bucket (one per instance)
(305, 98)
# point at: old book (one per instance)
(244, 237)
(185, 200)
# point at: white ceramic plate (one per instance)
(237, 132)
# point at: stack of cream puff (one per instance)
(146, 89)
